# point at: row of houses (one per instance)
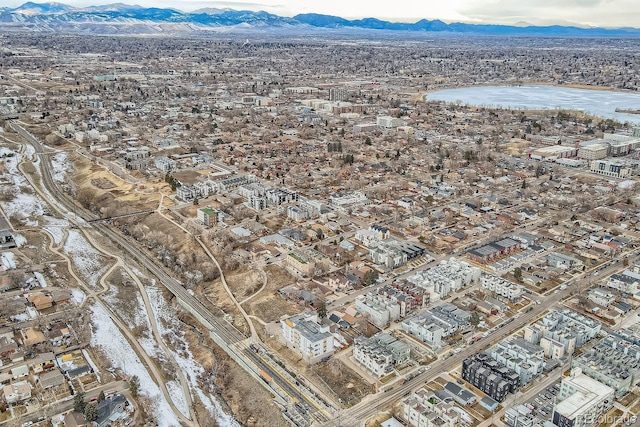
(380, 353)
(261, 197)
(490, 376)
(447, 277)
(437, 323)
(560, 332)
(204, 188)
(390, 303)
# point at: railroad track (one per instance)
(224, 331)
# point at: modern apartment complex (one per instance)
(582, 400)
(303, 334)
(490, 376)
(380, 353)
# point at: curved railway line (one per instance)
(307, 408)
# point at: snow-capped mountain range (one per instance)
(119, 18)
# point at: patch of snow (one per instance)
(177, 395)
(55, 227)
(21, 317)
(77, 295)
(11, 160)
(107, 337)
(86, 259)
(29, 150)
(87, 357)
(59, 166)
(32, 312)
(150, 346)
(51, 220)
(191, 368)
(20, 239)
(57, 234)
(8, 261)
(41, 279)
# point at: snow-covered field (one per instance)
(25, 204)
(139, 320)
(11, 160)
(114, 345)
(177, 395)
(190, 368)
(89, 263)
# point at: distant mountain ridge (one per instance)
(118, 18)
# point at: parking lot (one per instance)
(543, 402)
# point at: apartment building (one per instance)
(388, 255)
(380, 353)
(378, 310)
(390, 303)
(368, 238)
(448, 276)
(502, 287)
(582, 400)
(610, 168)
(304, 210)
(208, 216)
(338, 94)
(304, 262)
(627, 282)
(303, 334)
(425, 409)
(349, 200)
(523, 357)
(261, 197)
(615, 362)
(196, 190)
(490, 376)
(165, 164)
(560, 332)
(388, 122)
(437, 323)
(493, 251)
(595, 151)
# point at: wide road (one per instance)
(373, 404)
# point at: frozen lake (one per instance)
(602, 103)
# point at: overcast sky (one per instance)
(604, 13)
